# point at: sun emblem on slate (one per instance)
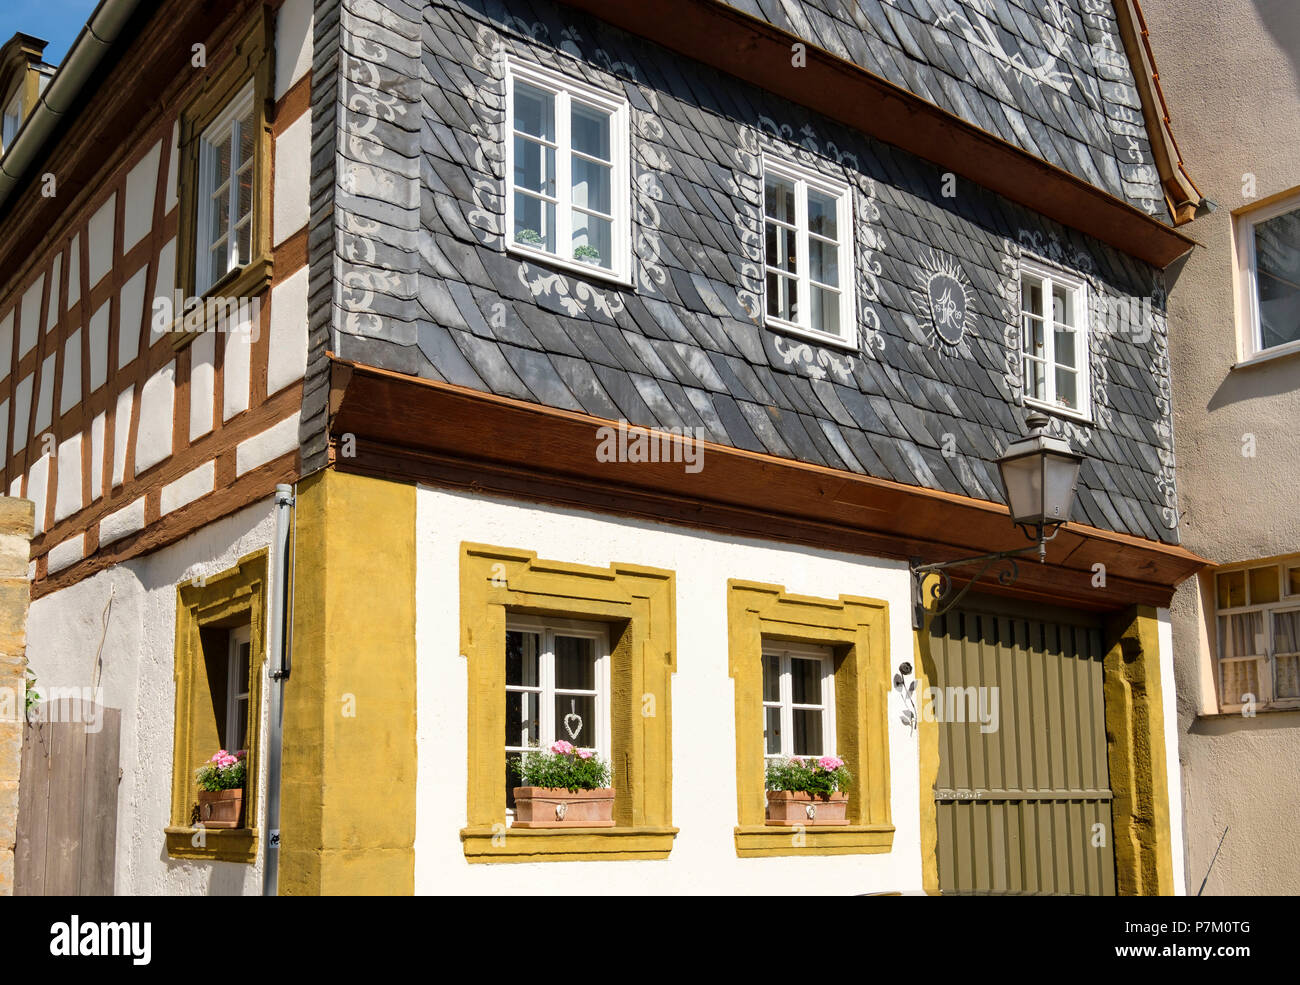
(943, 299)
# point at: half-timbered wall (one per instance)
(123, 437)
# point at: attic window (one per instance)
(1054, 338)
(13, 119)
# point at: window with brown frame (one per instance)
(225, 177)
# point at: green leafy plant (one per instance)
(529, 236)
(588, 254)
(224, 771)
(33, 697)
(564, 766)
(819, 777)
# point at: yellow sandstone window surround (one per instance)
(224, 171)
(856, 630)
(636, 605)
(216, 706)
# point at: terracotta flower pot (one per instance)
(787, 808)
(221, 808)
(555, 807)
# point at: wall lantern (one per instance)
(1039, 476)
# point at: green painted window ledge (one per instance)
(502, 844)
(763, 840)
(220, 844)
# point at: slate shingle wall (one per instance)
(1049, 76)
(421, 282)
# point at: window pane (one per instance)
(219, 217)
(590, 131)
(1031, 300)
(1065, 344)
(1242, 635)
(781, 247)
(1063, 307)
(591, 185)
(534, 222)
(243, 245)
(221, 160)
(241, 727)
(512, 781)
(1031, 336)
(575, 719)
(534, 111)
(522, 659)
(822, 215)
(1293, 579)
(1263, 585)
(824, 262)
(241, 679)
(1035, 380)
(247, 133)
(575, 663)
(534, 166)
(806, 681)
(1231, 589)
(1240, 677)
(1067, 388)
(807, 733)
(1287, 682)
(523, 718)
(1277, 264)
(593, 240)
(778, 199)
(1286, 632)
(782, 296)
(771, 678)
(772, 731)
(825, 311)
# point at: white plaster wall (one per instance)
(63, 635)
(703, 858)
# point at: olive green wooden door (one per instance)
(1023, 796)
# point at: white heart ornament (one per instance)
(573, 730)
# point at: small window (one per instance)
(1258, 620)
(557, 687)
(1270, 257)
(227, 151)
(798, 702)
(567, 159)
(808, 255)
(13, 119)
(1054, 338)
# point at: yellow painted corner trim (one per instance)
(500, 844)
(639, 605)
(857, 630)
(233, 596)
(927, 750)
(217, 844)
(1135, 737)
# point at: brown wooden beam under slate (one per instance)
(756, 52)
(412, 430)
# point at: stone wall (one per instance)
(15, 540)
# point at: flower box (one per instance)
(556, 807)
(786, 808)
(221, 808)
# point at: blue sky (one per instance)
(57, 21)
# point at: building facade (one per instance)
(624, 359)
(1235, 336)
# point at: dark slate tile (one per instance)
(541, 378)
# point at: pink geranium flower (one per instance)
(585, 754)
(830, 763)
(562, 748)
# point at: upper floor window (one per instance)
(1054, 338)
(1269, 255)
(567, 159)
(1258, 611)
(226, 187)
(808, 253)
(13, 119)
(798, 701)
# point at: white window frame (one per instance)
(1267, 660)
(222, 130)
(236, 699)
(546, 631)
(1052, 276)
(842, 192)
(1250, 333)
(566, 90)
(786, 652)
(13, 111)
